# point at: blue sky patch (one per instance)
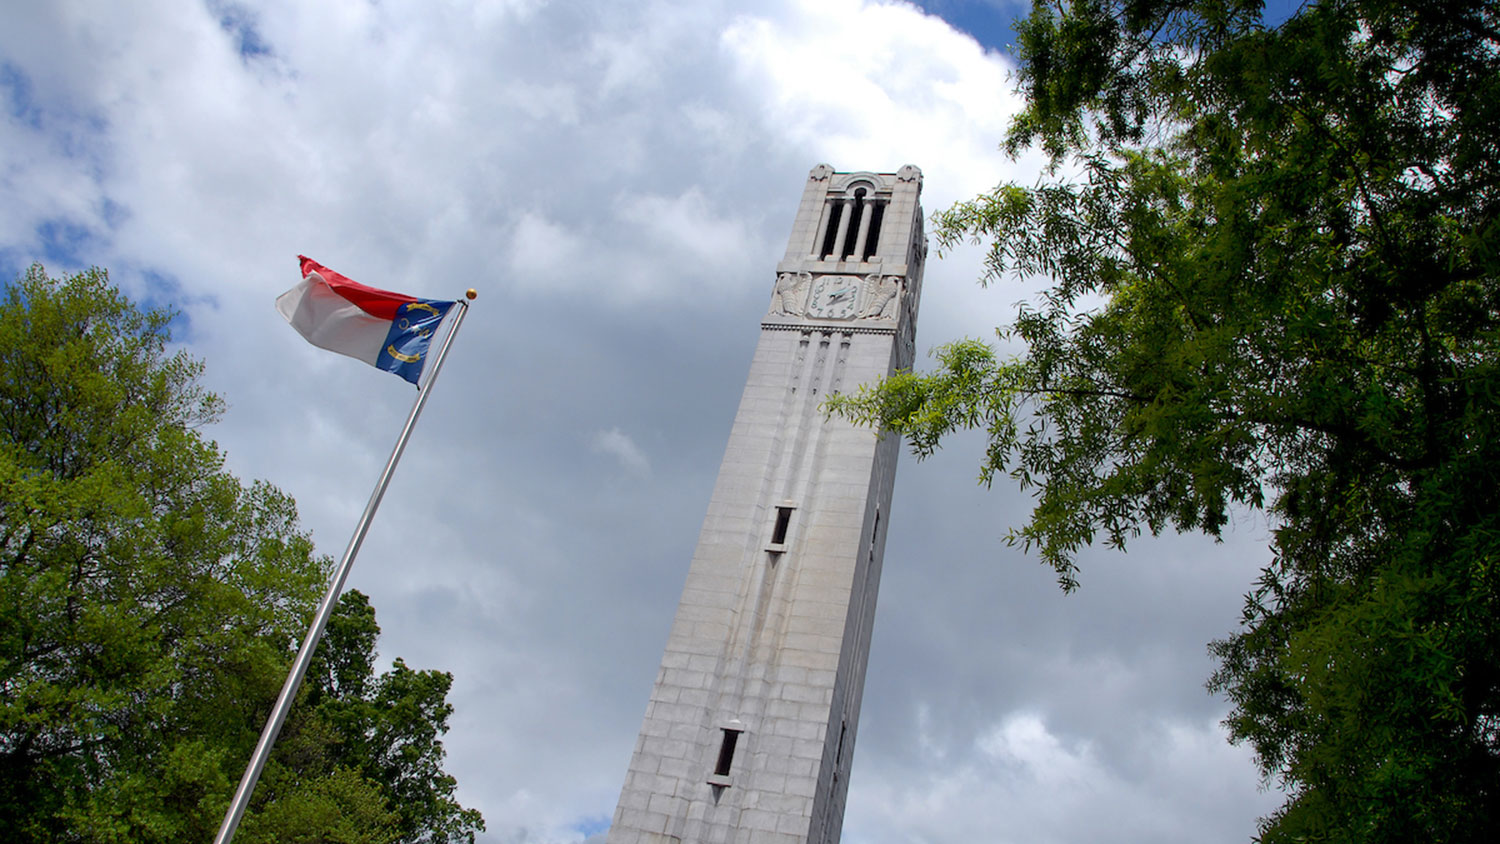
(13, 264)
(165, 291)
(20, 102)
(591, 826)
(239, 22)
(64, 243)
(991, 22)
(113, 213)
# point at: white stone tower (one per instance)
(750, 727)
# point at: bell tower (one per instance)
(750, 727)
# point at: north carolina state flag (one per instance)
(389, 331)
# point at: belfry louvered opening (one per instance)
(851, 226)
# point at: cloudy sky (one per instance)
(617, 179)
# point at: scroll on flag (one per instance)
(387, 330)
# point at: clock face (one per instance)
(834, 297)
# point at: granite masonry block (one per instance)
(778, 708)
(793, 820)
(687, 731)
(776, 745)
(768, 765)
(802, 786)
(808, 659)
(663, 804)
(677, 769)
(813, 711)
(758, 819)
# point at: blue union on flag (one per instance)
(389, 331)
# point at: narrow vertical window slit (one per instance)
(726, 752)
(783, 521)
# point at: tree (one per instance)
(360, 759)
(1272, 282)
(388, 727)
(150, 602)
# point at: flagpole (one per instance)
(273, 726)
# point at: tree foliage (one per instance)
(150, 604)
(1271, 281)
(388, 726)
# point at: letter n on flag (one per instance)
(387, 330)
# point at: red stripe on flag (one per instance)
(377, 303)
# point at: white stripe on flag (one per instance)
(332, 322)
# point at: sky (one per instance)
(617, 180)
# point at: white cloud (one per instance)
(687, 227)
(620, 446)
(878, 83)
(1024, 782)
(551, 103)
(544, 255)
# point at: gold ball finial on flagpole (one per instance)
(472, 293)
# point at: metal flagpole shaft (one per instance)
(325, 610)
